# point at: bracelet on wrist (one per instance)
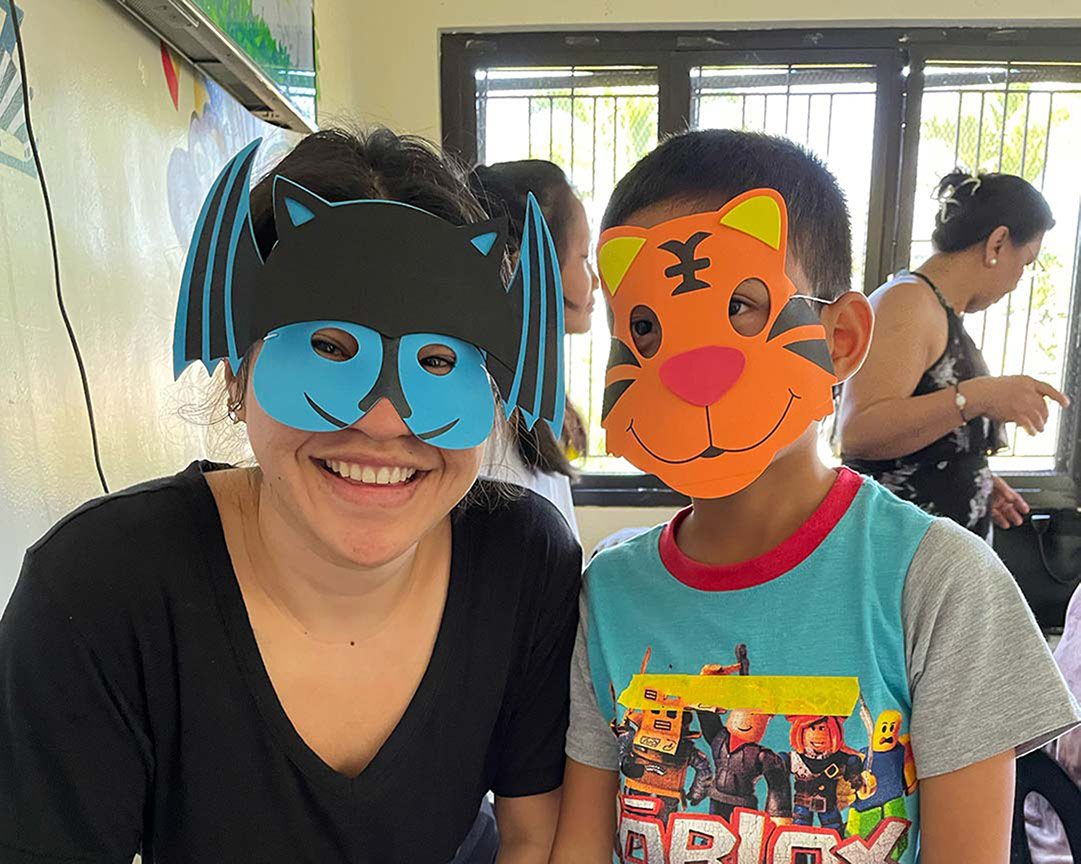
(960, 401)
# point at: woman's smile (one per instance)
(367, 480)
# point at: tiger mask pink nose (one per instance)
(702, 376)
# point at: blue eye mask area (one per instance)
(452, 406)
(300, 387)
(445, 400)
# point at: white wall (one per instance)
(596, 523)
(127, 171)
(393, 57)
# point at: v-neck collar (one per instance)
(241, 636)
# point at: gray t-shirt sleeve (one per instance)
(589, 737)
(982, 678)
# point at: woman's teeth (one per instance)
(381, 476)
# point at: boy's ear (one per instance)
(849, 323)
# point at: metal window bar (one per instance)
(833, 95)
(787, 98)
(1032, 277)
(1031, 281)
(616, 107)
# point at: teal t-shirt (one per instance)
(821, 616)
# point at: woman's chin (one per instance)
(367, 550)
(576, 323)
(372, 535)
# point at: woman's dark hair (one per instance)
(973, 206)
(345, 166)
(501, 189)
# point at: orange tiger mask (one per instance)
(691, 395)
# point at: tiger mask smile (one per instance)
(716, 363)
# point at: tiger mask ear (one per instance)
(616, 253)
(759, 213)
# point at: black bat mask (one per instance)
(389, 274)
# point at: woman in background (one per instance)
(924, 412)
(534, 459)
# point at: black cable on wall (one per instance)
(52, 240)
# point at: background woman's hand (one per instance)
(1007, 506)
(1018, 399)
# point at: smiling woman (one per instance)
(334, 655)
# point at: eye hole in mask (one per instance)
(646, 331)
(748, 310)
(437, 359)
(335, 345)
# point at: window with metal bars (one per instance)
(595, 124)
(828, 108)
(889, 111)
(1024, 119)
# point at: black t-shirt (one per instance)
(135, 709)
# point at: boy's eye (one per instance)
(748, 310)
(437, 359)
(645, 331)
(334, 344)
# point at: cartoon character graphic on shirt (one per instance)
(656, 749)
(746, 797)
(893, 776)
(739, 759)
(826, 772)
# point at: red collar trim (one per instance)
(776, 562)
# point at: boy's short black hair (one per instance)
(711, 166)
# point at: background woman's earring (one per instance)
(994, 262)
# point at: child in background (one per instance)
(533, 458)
(726, 261)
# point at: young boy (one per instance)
(763, 678)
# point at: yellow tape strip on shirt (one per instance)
(763, 694)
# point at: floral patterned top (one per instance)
(949, 477)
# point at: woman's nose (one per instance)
(382, 422)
